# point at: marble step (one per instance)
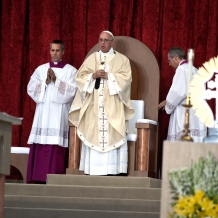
(67, 213)
(82, 203)
(82, 191)
(114, 181)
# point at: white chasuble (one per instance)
(97, 163)
(50, 124)
(175, 99)
(101, 125)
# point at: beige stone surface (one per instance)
(5, 147)
(6, 122)
(177, 155)
(2, 181)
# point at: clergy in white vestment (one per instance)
(52, 86)
(102, 108)
(176, 98)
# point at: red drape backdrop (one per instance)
(28, 26)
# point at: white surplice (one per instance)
(53, 101)
(93, 162)
(175, 99)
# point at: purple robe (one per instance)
(49, 144)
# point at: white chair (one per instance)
(139, 107)
(142, 143)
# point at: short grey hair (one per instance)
(176, 51)
(110, 33)
(59, 42)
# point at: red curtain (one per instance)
(28, 27)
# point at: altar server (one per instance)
(52, 86)
(176, 98)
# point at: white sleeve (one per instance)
(88, 87)
(111, 86)
(65, 89)
(91, 84)
(177, 92)
(36, 87)
(114, 88)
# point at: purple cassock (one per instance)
(49, 134)
(46, 159)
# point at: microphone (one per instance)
(98, 80)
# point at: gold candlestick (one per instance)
(186, 136)
(187, 105)
(190, 57)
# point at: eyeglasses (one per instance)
(105, 40)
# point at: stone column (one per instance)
(6, 122)
(2, 182)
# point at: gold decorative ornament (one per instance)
(199, 93)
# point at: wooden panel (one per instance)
(131, 158)
(153, 152)
(74, 149)
(145, 126)
(142, 152)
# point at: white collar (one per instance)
(107, 53)
(55, 63)
(181, 62)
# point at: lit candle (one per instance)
(189, 73)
